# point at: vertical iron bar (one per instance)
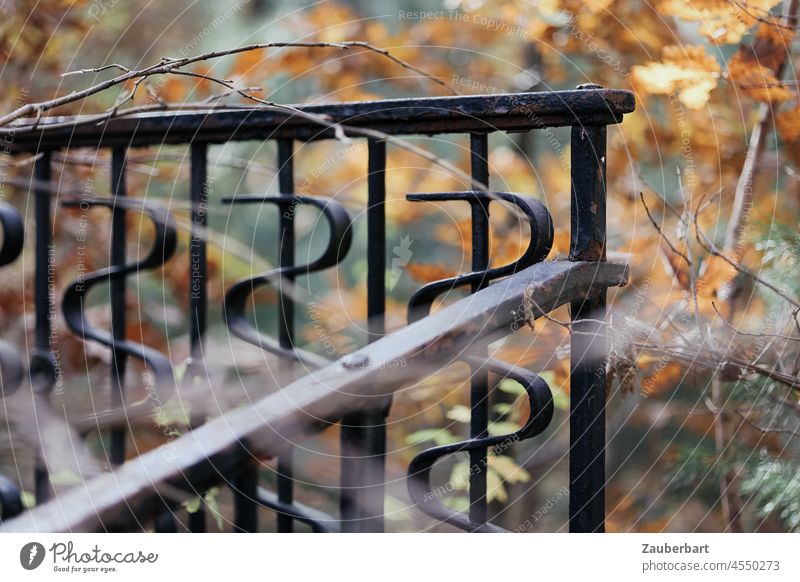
(376, 326)
(479, 382)
(245, 508)
(117, 292)
(588, 349)
(285, 487)
(198, 290)
(364, 433)
(42, 173)
(165, 522)
(42, 363)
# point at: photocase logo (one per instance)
(31, 555)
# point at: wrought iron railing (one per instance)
(356, 390)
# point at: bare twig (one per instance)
(752, 334)
(169, 65)
(658, 229)
(745, 416)
(685, 217)
(766, 19)
(709, 246)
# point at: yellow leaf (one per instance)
(459, 413)
(724, 21)
(508, 469)
(495, 490)
(690, 71)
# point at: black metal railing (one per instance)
(357, 390)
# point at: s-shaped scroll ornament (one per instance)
(12, 370)
(419, 470)
(341, 237)
(541, 240)
(74, 302)
(11, 374)
(11, 367)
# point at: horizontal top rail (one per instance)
(307, 405)
(429, 115)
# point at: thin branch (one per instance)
(713, 359)
(529, 303)
(767, 19)
(658, 229)
(752, 334)
(692, 276)
(709, 246)
(169, 65)
(746, 419)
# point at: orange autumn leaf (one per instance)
(658, 378)
(716, 274)
(507, 249)
(677, 265)
(517, 355)
(753, 67)
(172, 90)
(204, 85)
(770, 45)
(427, 273)
(788, 122)
(756, 80)
(460, 237)
(248, 64)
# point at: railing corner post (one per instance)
(588, 347)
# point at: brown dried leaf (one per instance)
(788, 122)
(753, 68)
(756, 80)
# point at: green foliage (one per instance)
(774, 486)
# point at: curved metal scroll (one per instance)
(11, 368)
(419, 306)
(318, 521)
(419, 471)
(341, 237)
(11, 374)
(13, 233)
(10, 499)
(164, 246)
(541, 241)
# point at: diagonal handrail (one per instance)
(202, 457)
